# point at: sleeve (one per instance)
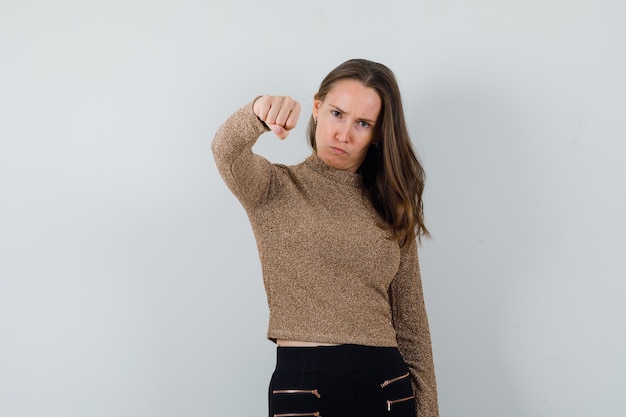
(413, 334)
(247, 175)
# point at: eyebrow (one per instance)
(370, 121)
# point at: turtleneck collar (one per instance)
(339, 175)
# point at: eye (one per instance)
(363, 123)
(335, 113)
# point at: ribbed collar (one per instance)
(339, 175)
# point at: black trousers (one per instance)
(340, 381)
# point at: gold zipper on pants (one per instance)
(297, 391)
(392, 402)
(315, 414)
(391, 381)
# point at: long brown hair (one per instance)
(392, 174)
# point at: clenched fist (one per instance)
(279, 113)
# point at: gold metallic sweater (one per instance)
(330, 272)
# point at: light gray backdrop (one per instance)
(129, 280)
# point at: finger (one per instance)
(262, 106)
(279, 131)
(283, 116)
(287, 105)
(274, 110)
(293, 118)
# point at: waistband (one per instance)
(334, 358)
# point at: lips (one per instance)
(337, 151)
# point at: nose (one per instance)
(343, 133)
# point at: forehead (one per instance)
(355, 99)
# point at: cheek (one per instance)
(319, 135)
(366, 139)
(322, 132)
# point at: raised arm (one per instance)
(249, 176)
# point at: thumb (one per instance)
(279, 131)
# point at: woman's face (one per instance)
(345, 124)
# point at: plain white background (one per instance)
(129, 279)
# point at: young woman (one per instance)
(337, 237)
